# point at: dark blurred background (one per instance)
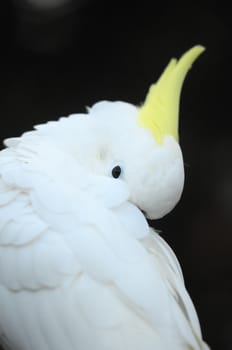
(58, 56)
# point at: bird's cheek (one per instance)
(111, 192)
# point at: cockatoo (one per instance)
(80, 269)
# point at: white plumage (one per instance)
(80, 269)
(79, 266)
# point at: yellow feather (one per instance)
(160, 111)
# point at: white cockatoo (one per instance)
(80, 269)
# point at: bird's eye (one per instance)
(116, 171)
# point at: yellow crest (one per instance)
(160, 111)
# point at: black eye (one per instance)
(116, 171)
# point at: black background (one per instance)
(57, 62)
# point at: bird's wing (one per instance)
(182, 309)
(72, 271)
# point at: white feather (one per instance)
(79, 266)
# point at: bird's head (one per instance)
(137, 146)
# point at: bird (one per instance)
(80, 267)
